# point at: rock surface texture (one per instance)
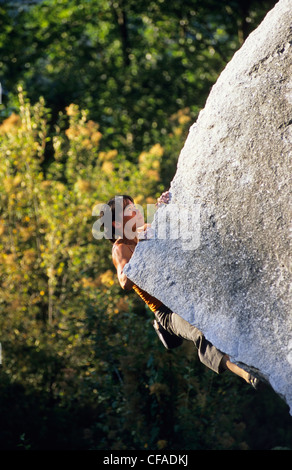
(233, 280)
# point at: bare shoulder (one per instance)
(122, 251)
(120, 247)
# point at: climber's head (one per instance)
(121, 218)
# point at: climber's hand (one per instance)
(143, 228)
(164, 198)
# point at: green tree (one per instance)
(131, 64)
(65, 325)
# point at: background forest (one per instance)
(97, 99)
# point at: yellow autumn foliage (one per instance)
(157, 150)
(107, 278)
(110, 155)
(10, 124)
(107, 167)
(83, 185)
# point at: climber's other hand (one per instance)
(164, 198)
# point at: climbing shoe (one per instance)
(253, 381)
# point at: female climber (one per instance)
(124, 213)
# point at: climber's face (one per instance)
(132, 219)
(132, 212)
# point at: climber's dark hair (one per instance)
(110, 212)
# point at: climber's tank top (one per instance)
(152, 302)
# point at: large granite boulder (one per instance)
(228, 271)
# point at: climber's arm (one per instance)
(121, 256)
(143, 228)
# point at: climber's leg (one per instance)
(210, 356)
(228, 365)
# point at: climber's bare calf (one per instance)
(228, 365)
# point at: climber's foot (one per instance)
(253, 381)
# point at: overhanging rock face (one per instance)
(228, 270)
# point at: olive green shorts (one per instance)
(174, 324)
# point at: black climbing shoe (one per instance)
(253, 381)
